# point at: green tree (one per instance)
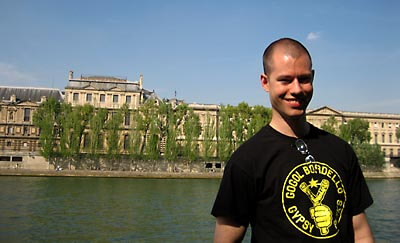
(65, 122)
(113, 126)
(355, 131)
(370, 156)
(136, 135)
(208, 137)
(260, 116)
(174, 118)
(45, 118)
(241, 115)
(192, 130)
(80, 120)
(149, 119)
(97, 124)
(330, 125)
(225, 130)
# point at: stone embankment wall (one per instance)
(122, 164)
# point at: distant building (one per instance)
(106, 92)
(381, 126)
(18, 136)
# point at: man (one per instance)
(292, 182)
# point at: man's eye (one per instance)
(305, 80)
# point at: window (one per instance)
(11, 115)
(127, 119)
(26, 130)
(398, 152)
(383, 137)
(390, 125)
(128, 99)
(100, 142)
(86, 141)
(391, 152)
(375, 124)
(376, 137)
(102, 97)
(75, 97)
(383, 125)
(115, 98)
(89, 97)
(384, 151)
(10, 130)
(27, 114)
(8, 143)
(126, 141)
(390, 138)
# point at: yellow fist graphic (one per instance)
(322, 216)
(320, 213)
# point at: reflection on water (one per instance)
(40, 209)
(384, 215)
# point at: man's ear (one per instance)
(265, 82)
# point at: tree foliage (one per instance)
(156, 127)
(192, 130)
(370, 156)
(45, 118)
(331, 125)
(355, 131)
(208, 137)
(97, 124)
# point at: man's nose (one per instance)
(295, 87)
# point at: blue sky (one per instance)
(207, 51)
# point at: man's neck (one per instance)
(290, 127)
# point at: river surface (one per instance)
(49, 209)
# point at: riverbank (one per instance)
(109, 174)
(387, 174)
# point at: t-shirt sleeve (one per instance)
(235, 198)
(360, 197)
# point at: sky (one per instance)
(207, 51)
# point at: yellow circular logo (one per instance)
(313, 198)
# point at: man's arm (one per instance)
(227, 231)
(362, 231)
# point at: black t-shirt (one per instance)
(268, 184)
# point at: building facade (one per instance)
(106, 92)
(381, 126)
(19, 138)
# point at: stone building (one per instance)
(19, 138)
(106, 92)
(381, 126)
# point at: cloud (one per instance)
(313, 36)
(11, 75)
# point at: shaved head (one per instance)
(289, 46)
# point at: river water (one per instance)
(49, 209)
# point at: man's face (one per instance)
(289, 84)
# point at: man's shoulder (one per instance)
(329, 139)
(255, 147)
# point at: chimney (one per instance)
(141, 81)
(71, 75)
